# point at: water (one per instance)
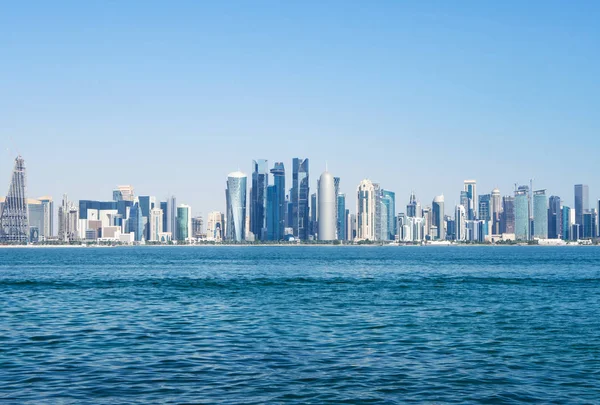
(234, 325)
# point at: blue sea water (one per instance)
(254, 325)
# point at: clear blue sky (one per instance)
(172, 96)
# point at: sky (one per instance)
(170, 97)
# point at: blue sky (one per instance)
(171, 97)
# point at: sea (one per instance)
(300, 325)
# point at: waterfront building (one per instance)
(460, 218)
(147, 204)
(496, 211)
(566, 227)
(589, 224)
(276, 214)
(215, 226)
(351, 226)
(258, 198)
(123, 193)
(198, 227)
(236, 206)
(437, 208)
(485, 207)
(507, 224)
(156, 224)
(14, 219)
(413, 209)
(378, 211)
(67, 221)
(313, 212)
(163, 207)
(342, 217)
(554, 218)
(522, 224)
(326, 208)
(136, 222)
(171, 216)
(581, 203)
(388, 217)
(184, 222)
(365, 211)
(470, 188)
(540, 214)
(300, 193)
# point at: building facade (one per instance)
(236, 207)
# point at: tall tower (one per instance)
(14, 221)
(365, 211)
(470, 187)
(326, 206)
(235, 227)
(437, 208)
(300, 194)
(258, 198)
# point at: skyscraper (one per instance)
(437, 208)
(14, 220)
(184, 222)
(507, 224)
(342, 220)
(388, 215)
(123, 193)
(365, 211)
(258, 198)
(236, 206)
(326, 207)
(460, 218)
(277, 213)
(566, 228)
(522, 213)
(171, 216)
(313, 222)
(470, 187)
(136, 221)
(581, 203)
(215, 226)
(485, 207)
(156, 224)
(540, 214)
(147, 204)
(554, 218)
(378, 212)
(300, 193)
(496, 211)
(67, 221)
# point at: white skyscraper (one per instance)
(215, 226)
(460, 218)
(326, 207)
(365, 211)
(156, 224)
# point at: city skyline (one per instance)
(171, 100)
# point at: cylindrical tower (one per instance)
(326, 206)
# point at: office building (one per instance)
(156, 224)
(413, 209)
(460, 218)
(198, 227)
(136, 222)
(388, 215)
(567, 224)
(496, 211)
(68, 221)
(184, 223)
(14, 219)
(300, 194)
(235, 227)
(313, 211)
(485, 207)
(540, 214)
(123, 193)
(507, 224)
(437, 217)
(589, 224)
(470, 188)
(365, 211)
(581, 203)
(326, 208)
(276, 210)
(258, 198)
(522, 224)
(342, 217)
(554, 218)
(215, 226)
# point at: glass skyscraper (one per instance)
(566, 225)
(388, 200)
(184, 222)
(341, 216)
(437, 208)
(485, 207)
(276, 204)
(258, 198)
(540, 214)
(235, 228)
(554, 218)
(581, 203)
(300, 194)
(522, 213)
(507, 219)
(136, 223)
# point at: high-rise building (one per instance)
(300, 194)
(496, 211)
(236, 207)
(14, 220)
(470, 187)
(258, 198)
(566, 228)
(326, 208)
(68, 220)
(581, 203)
(413, 208)
(184, 222)
(342, 217)
(485, 207)
(522, 213)
(171, 216)
(365, 211)
(123, 193)
(314, 210)
(136, 221)
(215, 226)
(276, 206)
(378, 212)
(554, 218)
(156, 224)
(198, 227)
(460, 218)
(388, 215)
(437, 211)
(589, 224)
(540, 214)
(507, 224)
(147, 204)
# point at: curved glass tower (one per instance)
(236, 206)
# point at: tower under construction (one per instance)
(14, 221)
